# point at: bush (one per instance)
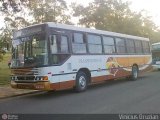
(4, 70)
(2, 52)
(1, 57)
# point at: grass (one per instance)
(4, 70)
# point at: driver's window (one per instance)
(64, 44)
(59, 48)
(53, 44)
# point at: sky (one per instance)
(151, 6)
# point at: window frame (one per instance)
(84, 42)
(59, 35)
(144, 47)
(102, 52)
(70, 36)
(125, 53)
(137, 52)
(114, 45)
(129, 39)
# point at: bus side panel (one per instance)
(147, 64)
(101, 68)
(123, 65)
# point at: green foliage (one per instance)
(17, 11)
(7, 4)
(5, 39)
(49, 11)
(38, 11)
(116, 16)
(1, 57)
(155, 36)
(4, 70)
(110, 15)
(5, 36)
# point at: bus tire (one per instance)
(81, 81)
(134, 74)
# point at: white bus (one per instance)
(54, 56)
(156, 55)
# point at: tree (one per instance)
(21, 13)
(13, 20)
(12, 5)
(116, 16)
(49, 11)
(5, 39)
(41, 10)
(155, 36)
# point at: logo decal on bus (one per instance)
(112, 66)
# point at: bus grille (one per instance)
(25, 71)
(21, 78)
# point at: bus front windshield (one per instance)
(30, 51)
(155, 53)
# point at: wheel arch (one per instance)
(87, 72)
(135, 64)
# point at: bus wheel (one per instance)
(135, 71)
(81, 81)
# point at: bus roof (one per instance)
(72, 27)
(89, 30)
(156, 43)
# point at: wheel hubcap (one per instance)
(82, 81)
(135, 73)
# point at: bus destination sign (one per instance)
(27, 31)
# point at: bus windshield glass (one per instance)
(156, 53)
(156, 47)
(30, 51)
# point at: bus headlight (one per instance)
(41, 78)
(45, 77)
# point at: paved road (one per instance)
(141, 96)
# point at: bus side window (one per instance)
(146, 47)
(120, 45)
(53, 48)
(78, 43)
(64, 44)
(94, 44)
(138, 46)
(109, 46)
(130, 46)
(59, 48)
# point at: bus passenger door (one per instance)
(65, 68)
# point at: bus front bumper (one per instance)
(45, 85)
